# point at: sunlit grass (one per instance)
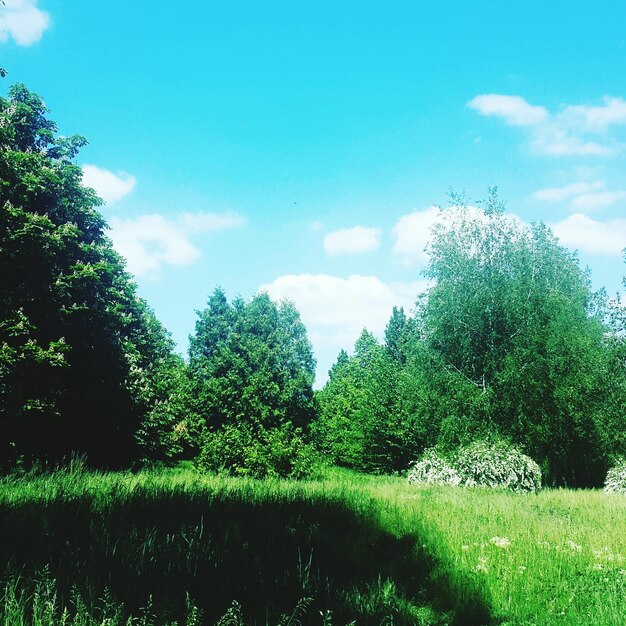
(340, 548)
(555, 557)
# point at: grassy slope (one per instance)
(369, 549)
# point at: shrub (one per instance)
(495, 464)
(279, 452)
(616, 477)
(433, 469)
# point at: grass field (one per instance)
(158, 547)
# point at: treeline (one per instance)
(510, 341)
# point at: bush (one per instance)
(279, 452)
(495, 464)
(433, 469)
(616, 477)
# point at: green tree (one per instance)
(395, 334)
(513, 316)
(75, 339)
(360, 422)
(337, 430)
(252, 370)
(252, 361)
(614, 422)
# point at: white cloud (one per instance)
(559, 194)
(336, 309)
(597, 118)
(553, 140)
(150, 241)
(597, 200)
(353, 240)
(22, 21)
(109, 186)
(581, 232)
(412, 233)
(575, 130)
(514, 110)
(582, 196)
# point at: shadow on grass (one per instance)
(267, 555)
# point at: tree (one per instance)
(252, 361)
(395, 333)
(513, 316)
(360, 422)
(252, 370)
(77, 343)
(338, 430)
(614, 422)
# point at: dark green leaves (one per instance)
(72, 330)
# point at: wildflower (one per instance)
(597, 566)
(481, 565)
(464, 548)
(606, 554)
(574, 547)
(521, 569)
(500, 542)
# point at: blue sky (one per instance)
(298, 147)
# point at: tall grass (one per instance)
(164, 547)
(557, 557)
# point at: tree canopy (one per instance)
(251, 367)
(513, 313)
(510, 341)
(76, 340)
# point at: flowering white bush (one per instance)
(616, 478)
(497, 465)
(433, 469)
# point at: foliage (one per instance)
(396, 334)
(251, 370)
(385, 405)
(616, 477)
(358, 424)
(497, 464)
(337, 430)
(433, 469)
(251, 362)
(512, 313)
(279, 452)
(78, 346)
(169, 431)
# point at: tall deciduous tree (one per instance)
(77, 344)
(513, 314)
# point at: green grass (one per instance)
(158, 547)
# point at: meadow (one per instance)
(175, 546)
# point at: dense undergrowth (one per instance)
(158, 547)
